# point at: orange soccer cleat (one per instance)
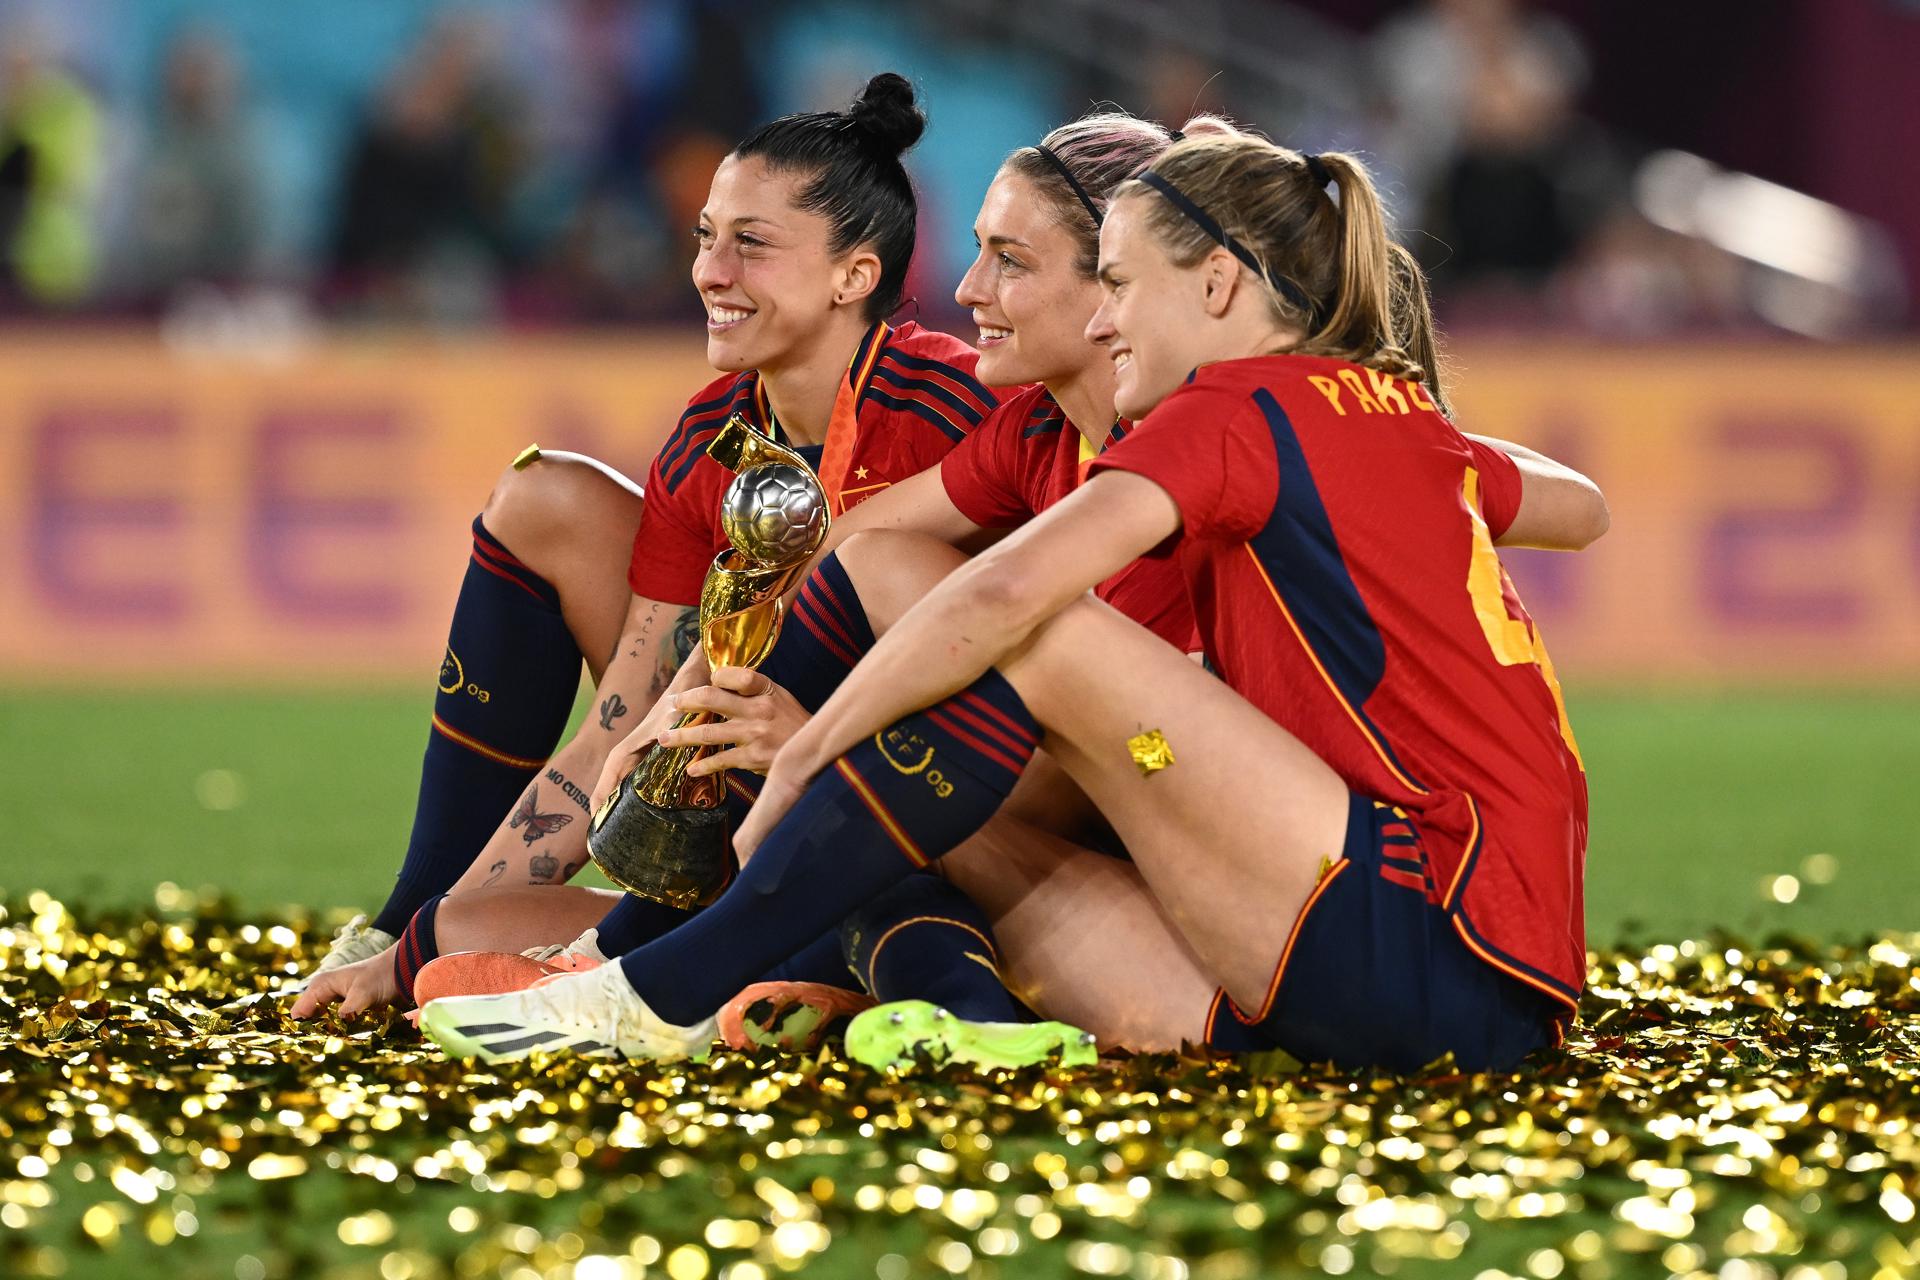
(793, 1017)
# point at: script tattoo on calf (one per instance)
(572, 792)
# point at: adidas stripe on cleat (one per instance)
(793, 1017)
(592, 1014)
(906, 1032)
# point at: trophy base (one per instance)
(675, 856)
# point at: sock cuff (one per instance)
(491, 554)
(990, 722)
(417, 946)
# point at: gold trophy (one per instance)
(662, 834)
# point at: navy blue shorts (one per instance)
(1376, 975)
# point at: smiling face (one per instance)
(1029, 302)
(772, 289)
(1153, 320)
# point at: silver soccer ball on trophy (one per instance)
(773, 513)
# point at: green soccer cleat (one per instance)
(909, 1031)
(594, 1014)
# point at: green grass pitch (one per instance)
(1734, 1104)
(1698, 802)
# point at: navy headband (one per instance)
(1317, 170)
(1201, 218)
(1072, 181)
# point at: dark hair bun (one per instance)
(885, 111)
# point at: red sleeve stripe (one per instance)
(933, 386)
(690, 421)
(972, 388)
(697, 442)
(920, 406)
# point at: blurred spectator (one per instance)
(422, 223)
(49, 157)
(1481, 95)
(195, 213)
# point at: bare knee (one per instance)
(558, 506)
(892, 569)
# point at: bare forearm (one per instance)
(1560, 509)
(544, 839)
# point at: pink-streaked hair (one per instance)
(1102, 150)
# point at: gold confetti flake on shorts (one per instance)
(1151, 751)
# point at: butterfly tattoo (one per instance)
(537, 824)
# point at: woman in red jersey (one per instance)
(1369, 831)
(1031, 290)
(802, 252)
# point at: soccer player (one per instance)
(1369, 831)
(803, 250)
(1032, 291)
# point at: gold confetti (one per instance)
(526, 457)
(1723, 1106)
(1151, 751)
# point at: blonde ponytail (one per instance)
(1330, 268)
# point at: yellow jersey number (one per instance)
(1514, 641)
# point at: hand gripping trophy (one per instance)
(662, 834)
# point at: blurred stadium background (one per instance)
(282, 288)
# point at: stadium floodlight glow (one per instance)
(1823, 270)
(1754, 219)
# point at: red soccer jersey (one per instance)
(1024, 458)
(916, 398)
(1336, 533)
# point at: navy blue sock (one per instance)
(889, 806)
(823, 960)
(506, 688)
(826, 633)
(923, 939)
(417, 945)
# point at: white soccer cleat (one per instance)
(354, 941)
(582, 953)
(595, 1014)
